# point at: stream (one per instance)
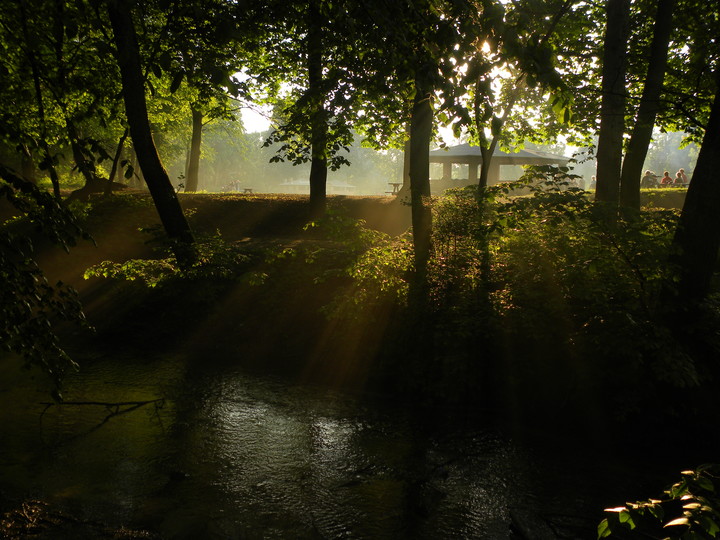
(224, 453)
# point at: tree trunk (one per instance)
(487, 154)
(318, 121)
(420, 136)
(156, 177)
(496, 128)
(419, 348)
(116, 163)
(406, 162)
(649, 105)
(612, 107)
(193, 169)
(697, 237)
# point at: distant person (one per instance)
(666, 180)
(593, 183)
(679, 179)
(649, 180)
(684, 177)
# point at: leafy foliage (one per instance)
(688, 510)
(30, 306)
(531, 274)
(217, 260)
(377, 265)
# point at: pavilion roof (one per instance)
(464, 153)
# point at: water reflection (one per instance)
(231, 455)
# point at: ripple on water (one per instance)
(231, 455)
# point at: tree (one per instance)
(612, 107)
(524, 51)
(690, 82)
(163, 194)
(204, 45)
(310, 83)
(61, 58)
(421, 127)
(639, 142)
(697, 239)
(193, 168)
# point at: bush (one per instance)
(688, 510)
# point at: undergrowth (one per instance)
(535, 296)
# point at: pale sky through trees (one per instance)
(254, 121)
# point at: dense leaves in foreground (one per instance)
(687, 510)
(30, 307)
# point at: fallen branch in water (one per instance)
(115, 408)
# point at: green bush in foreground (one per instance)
(689, 510)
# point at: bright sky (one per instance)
(254, 121)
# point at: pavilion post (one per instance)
(473, 171)
(447, 170)
(493, 173)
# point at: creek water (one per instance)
(231, 454)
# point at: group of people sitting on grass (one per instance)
(650, 179)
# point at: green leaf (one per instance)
(604, 529)
(626, 517)
(705, 483)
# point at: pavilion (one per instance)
(464, 154)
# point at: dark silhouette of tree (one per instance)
(697, 238)
(156, 177)
(193, 169)
(614, 96)
(641, 135)
(318, 115)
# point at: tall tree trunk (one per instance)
(697, 238)
(419, 345)
(487, 149)
(318, 121)
(487, 154)
(156, 177)
(612, 107)
(649, 105)
(406, 161)
(116, 163)
(420, 137)
(193, 169)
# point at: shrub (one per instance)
(688, 510)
